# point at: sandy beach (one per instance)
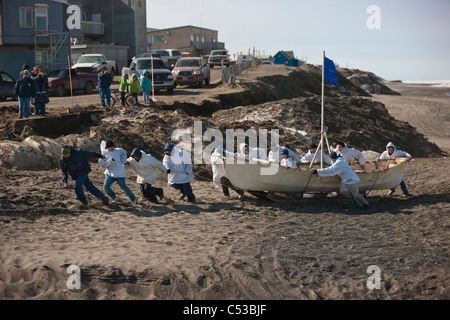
(235, 249)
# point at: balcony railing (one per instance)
(93, 28)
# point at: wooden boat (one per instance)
(253, 175)
(377, 175)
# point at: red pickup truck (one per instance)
(59, 81)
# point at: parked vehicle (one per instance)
(217, 56)
(244, 58)
(59, 81)
(162, 77)
(147, 55)
(267, 62)
(191, 70)
(169, 56)
(93, 63)
(6, 85)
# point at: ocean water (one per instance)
(433, 83)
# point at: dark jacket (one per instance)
(104, 80)
(77, 164)
(41, 86)
(25, 88)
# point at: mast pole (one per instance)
(322, 113)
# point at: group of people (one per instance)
(31, 88)
(338, 164)
(135, 86)
(177, 165)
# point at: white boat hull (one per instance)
(247, 176)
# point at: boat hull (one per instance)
(252, 177)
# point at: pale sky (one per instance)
(412, 43)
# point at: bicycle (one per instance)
(116, 97)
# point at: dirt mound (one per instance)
(288, 99)
(367, 81)
(359, 122)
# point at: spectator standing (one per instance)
(41, 85)
(135, 87)
(24, 90)
(123, 88)
(146, 85)
(104, 84)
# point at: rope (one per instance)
(306, 186)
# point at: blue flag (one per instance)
(330, 71)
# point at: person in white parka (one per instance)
(286, 159)
(115, 172)
(350, 154)
(348, 177)
(179, 174)
(390, 153)
(275, 154)
(145, 166)
(308, 158)
(255, 153)
(219, 175)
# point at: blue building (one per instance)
(286, 58)
(34, 33)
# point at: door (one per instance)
(6, 85)
(76, 80)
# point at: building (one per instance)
(33, 32)
(190, 40)
(116, 28)
(38, 32)
(286, 58)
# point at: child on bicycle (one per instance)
(123, 88)
(135, 87)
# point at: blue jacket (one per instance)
(25, 88)
(104, 80)
(77, 164)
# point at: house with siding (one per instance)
(33, 32)
(116, 28)
(287, 58)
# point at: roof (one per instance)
(149, 30)
(288, 54)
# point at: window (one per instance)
(6, 78)
(41, 16)
(203, 39)
(97, 17)
(157, 39)
(192, 38)
(40, 58)
(25, 17)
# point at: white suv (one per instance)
(169, 56)
(217, 56)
